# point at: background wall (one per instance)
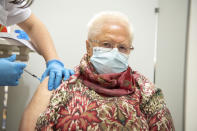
(170, 74)
(66, 21)
(191, 90)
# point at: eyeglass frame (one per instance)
(99, 43)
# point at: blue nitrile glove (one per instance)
(22, 35)
(10, 71)
(56, 71)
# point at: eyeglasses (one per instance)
(123, 48)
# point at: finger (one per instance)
(15, 83)
(66, 74)
(51, 80)
(21, 65)
(17, 31)
(20, 37)
(11, 58)
(18, 75)
(18, 67)
(58, 79)
(45, 74)
(20, 72)
(72, 72)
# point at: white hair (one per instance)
(96, 23)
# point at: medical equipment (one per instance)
(32, 74)
(10, 44)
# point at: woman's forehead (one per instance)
(114, 32)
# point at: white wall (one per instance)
(170, 65)
(66, 21)
(191, 90)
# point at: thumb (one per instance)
(21, 65)
(11, 58)
(45, 74)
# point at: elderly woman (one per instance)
(105, 93)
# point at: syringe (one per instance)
(32, 75)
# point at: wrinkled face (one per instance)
(112, 35)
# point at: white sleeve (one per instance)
(16, 14)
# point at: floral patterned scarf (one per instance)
(115, 84)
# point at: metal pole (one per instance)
(5, 100)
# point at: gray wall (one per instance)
(171, 55)
(66, 21)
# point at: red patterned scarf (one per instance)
(115, 84)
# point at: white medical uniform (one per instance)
(10, 14)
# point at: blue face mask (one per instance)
(107, 61)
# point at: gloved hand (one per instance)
(10, 71)
(22, 35)
(56, 71)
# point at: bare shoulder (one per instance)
(43, 87)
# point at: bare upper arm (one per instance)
(37, 105)
(28, 25)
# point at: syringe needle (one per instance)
(32, 74)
